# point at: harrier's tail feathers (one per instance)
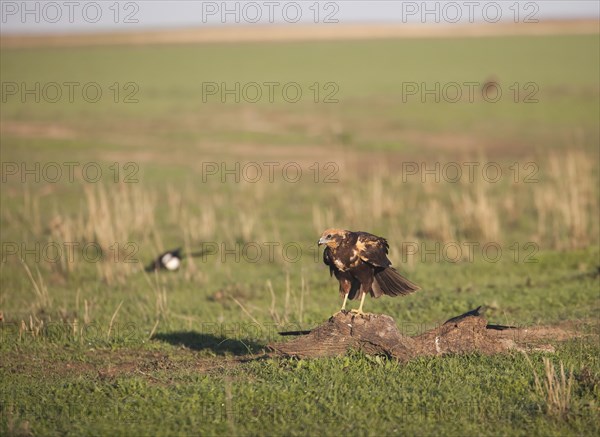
(392, 283)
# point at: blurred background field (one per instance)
(543, 214)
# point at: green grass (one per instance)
(165, 393)
(82, 360)
(369, 74)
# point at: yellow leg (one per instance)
(362, 301)
(344, 304)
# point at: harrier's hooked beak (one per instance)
(323, 241)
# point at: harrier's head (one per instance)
(332, 237)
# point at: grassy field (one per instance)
(92, 344)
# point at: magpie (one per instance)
(171, 260)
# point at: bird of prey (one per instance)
(359, 262)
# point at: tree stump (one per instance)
(378, 334)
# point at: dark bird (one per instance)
(359, 262)
(171, 260)
(478, 312)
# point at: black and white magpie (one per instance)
(170, 260)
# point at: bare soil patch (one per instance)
(279, 33)
(53, 131)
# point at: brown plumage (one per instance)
(359, 262)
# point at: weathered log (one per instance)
(378, 334)
(373, 333)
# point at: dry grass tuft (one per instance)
(567, 203)
(436, 224)
(477, 214)
(554, 388)
(559, 211)
(42, 301)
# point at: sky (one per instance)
(31, 17)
